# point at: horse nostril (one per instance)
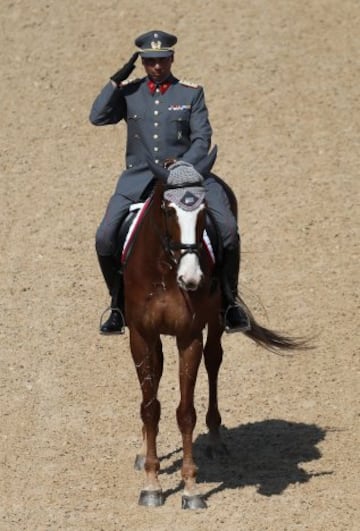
(186, 285)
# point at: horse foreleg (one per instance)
(213, 354)
(141, 456)
(148, 359)
(190, 356)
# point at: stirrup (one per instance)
(102, 321)
(236, 321)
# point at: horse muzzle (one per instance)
(190, 283)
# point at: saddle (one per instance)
(128, 229)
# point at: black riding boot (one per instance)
(235, 316)
(115, 324)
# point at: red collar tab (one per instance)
(162, 86)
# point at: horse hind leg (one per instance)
(213, 354)
(148, 359)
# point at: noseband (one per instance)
(187, 248)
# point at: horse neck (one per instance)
(148, 241)
(155, 219)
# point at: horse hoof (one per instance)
(139, 462)
(193, 502)
(151, 498)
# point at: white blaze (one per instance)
(189, 274)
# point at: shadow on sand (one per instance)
(265, 454)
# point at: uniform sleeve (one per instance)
(200, 130)
(109, 107)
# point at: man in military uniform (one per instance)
(169, 119)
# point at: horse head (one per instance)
(183, 206)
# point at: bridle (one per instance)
(170, 246)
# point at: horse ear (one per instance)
(205, 165)
(159, 171)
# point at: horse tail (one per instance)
(270, 339)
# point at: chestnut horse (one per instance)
(171, 290)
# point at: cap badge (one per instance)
(156, 45)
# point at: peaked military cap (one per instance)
(156, 43)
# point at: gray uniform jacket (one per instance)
(173, 124)
(170, 125)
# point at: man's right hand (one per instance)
(125, 70)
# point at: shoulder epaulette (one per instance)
(189, 83)
(130, 81)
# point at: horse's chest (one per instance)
(168, 310)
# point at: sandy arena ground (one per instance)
(282, 86)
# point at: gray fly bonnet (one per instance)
(185, 186)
